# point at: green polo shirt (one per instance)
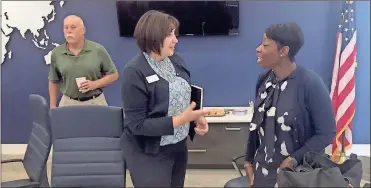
(93, 62)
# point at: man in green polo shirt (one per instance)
(79, 68)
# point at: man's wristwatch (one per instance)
(293, 161)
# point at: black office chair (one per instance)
(240, 181)
(38, 148)
(87, 148)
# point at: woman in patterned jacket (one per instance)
(293, 113)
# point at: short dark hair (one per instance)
(152, 29)
(287, 34)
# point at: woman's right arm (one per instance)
(252, 146)
(250, 154)
(135, 103)
(252, 140)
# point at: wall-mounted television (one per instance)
(196, 18)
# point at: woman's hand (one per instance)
(189, 115)
(202, 127)
(287, 163)
(249, 173)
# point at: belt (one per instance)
(82, 99)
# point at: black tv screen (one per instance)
(196, 18)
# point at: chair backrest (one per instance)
(86, 146)
(39, 145)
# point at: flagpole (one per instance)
(342, 156)
(347, 24)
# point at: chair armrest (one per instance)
(20, 184)
(11, 161)
(237, 158)
(235, 166)
(31, 185)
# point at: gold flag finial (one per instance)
(339, 156)
(342, 158)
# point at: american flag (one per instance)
(343, 79)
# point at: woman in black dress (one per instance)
(293, 112)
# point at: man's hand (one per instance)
(249, 173)
(88, 85)
(202, 127)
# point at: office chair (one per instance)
(87, 148)
(38, 147)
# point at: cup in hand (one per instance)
(79, 81)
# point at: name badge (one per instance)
(152, 78)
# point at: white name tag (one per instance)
(152, 78)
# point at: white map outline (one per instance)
(26, 16)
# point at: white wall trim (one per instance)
(19, 149)
(359, 149)
(15, 149)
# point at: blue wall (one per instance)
(225, 66)
(361, 123)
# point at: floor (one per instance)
(194, 177)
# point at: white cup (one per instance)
(79, 81)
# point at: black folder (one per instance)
(197, 96)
